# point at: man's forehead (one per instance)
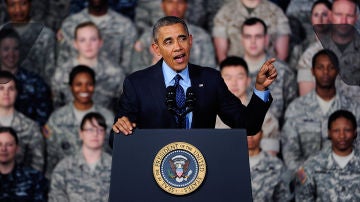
(238, 68)
(4, 133)
(253, 29)
(175, 29)
(341, 120)
(340, 5)
(323, 58)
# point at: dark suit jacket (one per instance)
(143, 101)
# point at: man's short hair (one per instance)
(81, 69)
(253, 21)
(6, 77)
(333, 58)
(11, 131)
(234, 61)
(93, 116)
(327, 3)
(342, 113)
(8, 32)
(166, 21)
(87, 24)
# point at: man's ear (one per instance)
(156, 48)
(190, 40)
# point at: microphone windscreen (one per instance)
(190, 98)
(170, 97)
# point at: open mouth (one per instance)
(180, 58)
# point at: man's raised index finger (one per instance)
(270, 61)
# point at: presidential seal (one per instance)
(179, 168)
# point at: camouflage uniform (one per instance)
(73, 180)
(125, 7)
(348, 90)
(283, 89)
(211, 8)
(227, 25)
(23, 184)
(147, 12)
(37, 48)
(33, 97)
(267, 181)
(31, 142)
(108, 86)
(118, 32)
(202, 50)
(305, 131)
(39, 10)
(295, 52)
(62, 133)
(196, 12)
(322, 179)
(58, 10)
(76, 6)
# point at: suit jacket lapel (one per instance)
(197, 85)
(158, 88)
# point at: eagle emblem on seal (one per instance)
(179, 168)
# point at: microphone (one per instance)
(190, 100)
(170, 99)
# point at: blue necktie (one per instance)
(180, 102)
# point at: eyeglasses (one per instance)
(94, 130)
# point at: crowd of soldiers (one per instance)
(66, 58)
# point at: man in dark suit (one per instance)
(143, 101)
